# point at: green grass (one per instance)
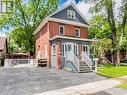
(111, 71)
(123, 85)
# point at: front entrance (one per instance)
(70, 47)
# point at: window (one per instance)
(71, 14)
(69, 47)
(6, 6)
(85, 48)
(76, 49)
(63, 49)
(53, 49)
(61, 29)
(77, 32)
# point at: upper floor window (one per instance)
(6, 6)
(61, 29)
(71, 14)
(77, 32)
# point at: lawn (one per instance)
(124, 85)
(111, 71)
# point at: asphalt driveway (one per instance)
(28, 81)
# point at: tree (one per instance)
(99, 28)
(123, 24)
(27, 17)
(107, 7)
(12, 45)
(101, 47)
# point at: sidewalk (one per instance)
(88, 88)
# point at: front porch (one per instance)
(73, 54)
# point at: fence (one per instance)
(10, 63)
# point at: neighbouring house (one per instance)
(62, 40)
(3, 49)
(19, 55)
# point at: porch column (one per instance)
(49, 55)
(80, 48)
(58, 54)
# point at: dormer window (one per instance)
(77, 32)
(61, 29)
(70, 14)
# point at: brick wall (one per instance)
(69, 30)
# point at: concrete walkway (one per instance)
(88, 88)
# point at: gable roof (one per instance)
(72, 5)
(2, 42)
(52, 18)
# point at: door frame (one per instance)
(66, 45)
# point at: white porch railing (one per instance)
(87, 59)
(10, 63)
(70, 56)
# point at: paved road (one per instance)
(103, 87)
(28, 81)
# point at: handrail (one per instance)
(70, 56)
(106, 60)
(87, 60)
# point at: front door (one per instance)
(67, 47)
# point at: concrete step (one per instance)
(84, 67)
(84, 71)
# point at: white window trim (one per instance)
(78, 32)
(53, 52)
(87, 48)
(76, 48)
(63, 29)
(63, 51)
(68, 11)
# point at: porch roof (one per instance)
(71, 38)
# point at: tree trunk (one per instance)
(126, 53)
(111, 20)
(112, 57)
(122, 32)
(118, 58)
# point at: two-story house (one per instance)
(62, 39)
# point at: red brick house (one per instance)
(62, 39)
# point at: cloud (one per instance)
(84, 9)
(2, 35)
